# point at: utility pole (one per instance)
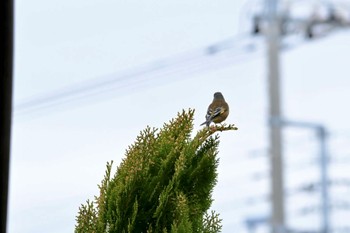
(322, 135)
(275, 148)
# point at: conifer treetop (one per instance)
(163, 184)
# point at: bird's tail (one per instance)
(205, 122)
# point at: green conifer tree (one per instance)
(164, 184)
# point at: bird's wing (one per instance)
(216, 112)
(212, 113)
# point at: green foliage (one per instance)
(164, 184)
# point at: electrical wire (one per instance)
(211, 57)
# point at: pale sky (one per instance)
(59, 153)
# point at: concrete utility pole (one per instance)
(276, 158)
(322, 135)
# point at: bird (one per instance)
(218, 110)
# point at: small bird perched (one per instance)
(217, 111)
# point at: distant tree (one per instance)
(164, 184)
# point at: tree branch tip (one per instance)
(221, 128)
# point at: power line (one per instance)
(214, 56)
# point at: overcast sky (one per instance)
(59, 153)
